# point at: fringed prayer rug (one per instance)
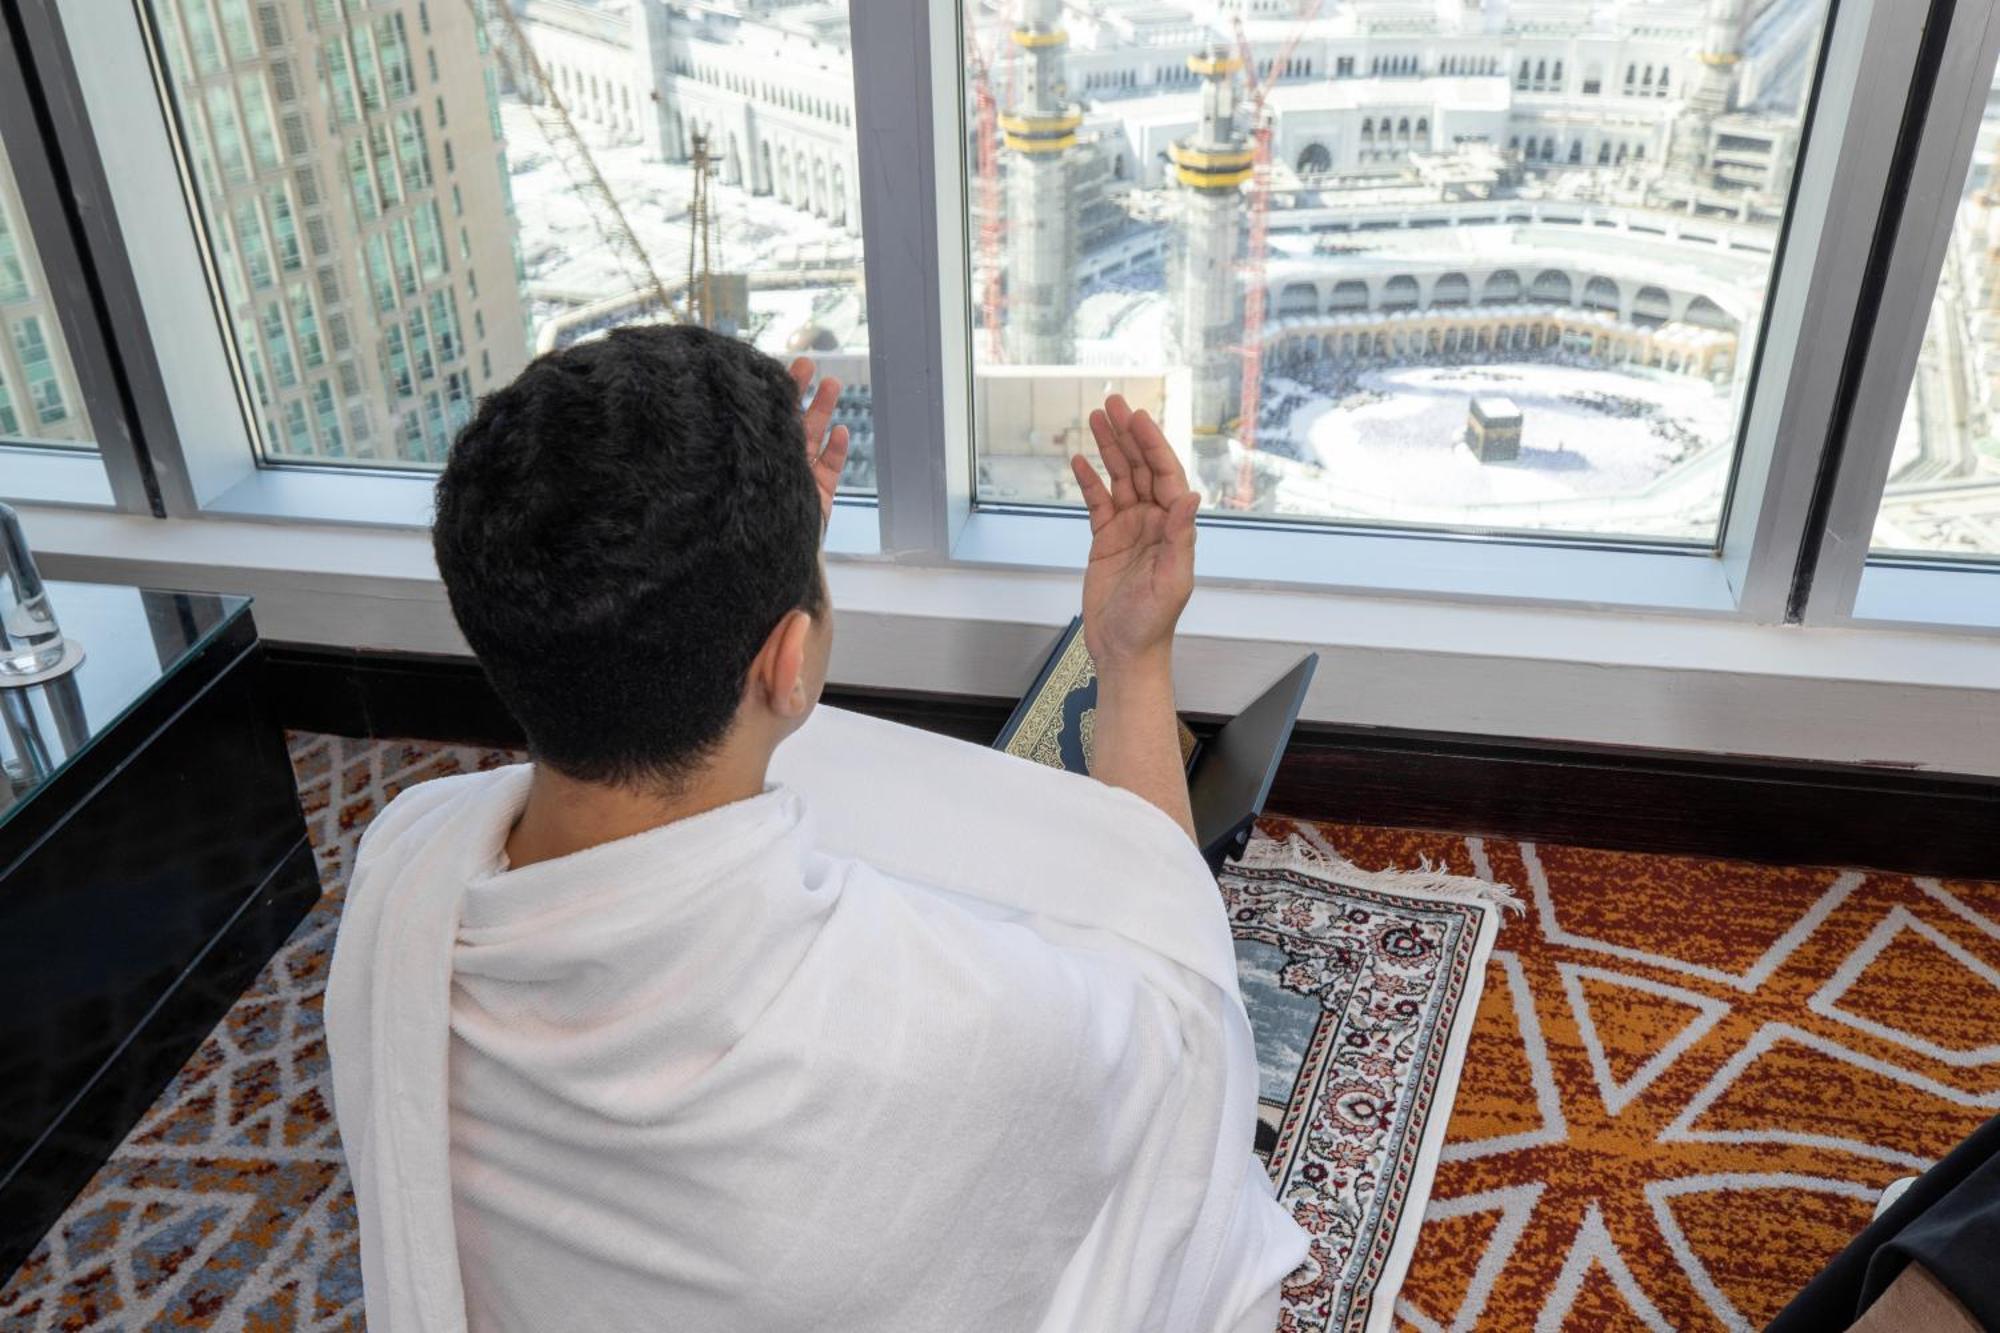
(1686, 1082)
(1361, 988)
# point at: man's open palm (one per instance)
(1142, 528)
(826, 444)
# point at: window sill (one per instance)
(54, 477)
(1934, 597)
(1388, 564)
(1706, 684)
(391, 500)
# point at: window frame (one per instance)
(164, 333)
(40, 122)
(1842, 580)
(915, 125)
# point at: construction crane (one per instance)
(986, 164)
(991, 226)
(701, 229)
(1256, 250)
(496, 18)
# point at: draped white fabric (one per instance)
(923, 1037)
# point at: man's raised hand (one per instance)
(826, 445)
(1142, 528)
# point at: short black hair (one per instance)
(619, 530)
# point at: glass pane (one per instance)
(407, 199)
(39, 401)
(1943, 496)
(1503, 268)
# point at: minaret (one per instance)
(1039, 132)
(1713, 87)
(1211, 166)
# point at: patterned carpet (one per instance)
(1688, 1082)
(1691, 1079)
(227, 1207)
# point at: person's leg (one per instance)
(1947, 1220)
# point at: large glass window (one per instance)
(1943, 494)
(39, 400)
(478, 183)
(1495, 270)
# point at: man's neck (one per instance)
(563, 816)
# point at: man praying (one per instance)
(731, 1013)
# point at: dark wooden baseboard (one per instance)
(1776, 811)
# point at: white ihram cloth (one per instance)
(924, 1037)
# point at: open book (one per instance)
(1229, 773)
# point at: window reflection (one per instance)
(1943, 493)
(39, 400)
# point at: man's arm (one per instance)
(1140, 576)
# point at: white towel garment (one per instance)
(923, 1037)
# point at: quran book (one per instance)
(1229, 775)
(1056, 720)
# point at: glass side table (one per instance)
(152, 857)
(147, 636)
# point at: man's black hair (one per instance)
(619, 530)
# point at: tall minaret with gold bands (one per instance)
(1039, 134)
(1711, 88)
(1211, 166)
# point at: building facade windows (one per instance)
(45, 393)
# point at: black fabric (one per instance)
(1948, 1221)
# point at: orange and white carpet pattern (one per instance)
(1690, 1080)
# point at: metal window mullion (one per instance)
(1869, 56)
(38, 102)
(164, 320)
(913, 223)
(1946, 138)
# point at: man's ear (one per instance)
(779, 672)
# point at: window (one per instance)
(782, 245)
(39, 400)
(1943, 491)
(257, 120)
(1551, 402)
(250, 246)
(1557, 297)
(305, 327)
(284, 229)
(47, 403)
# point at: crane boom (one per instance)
(1257, 246)
(991, 225)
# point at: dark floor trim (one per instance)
(1777, 811)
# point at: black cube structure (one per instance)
(1493, 429)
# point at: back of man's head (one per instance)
(619, 530)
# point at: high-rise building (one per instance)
(1211, 166)
(1039, 131)
(38, 395)
(349, 162)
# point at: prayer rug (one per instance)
(1686, 1083)
(1361, 989)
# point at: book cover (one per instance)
(1055, 721)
